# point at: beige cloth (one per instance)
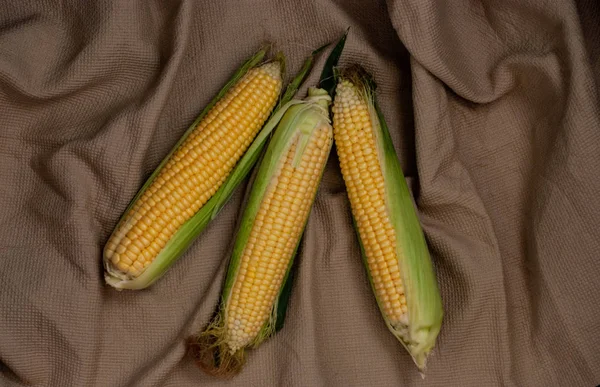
(493, 107)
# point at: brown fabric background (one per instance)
(493, 107)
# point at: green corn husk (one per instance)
(424, 304)
(189, 231)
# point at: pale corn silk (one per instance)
(492, 106)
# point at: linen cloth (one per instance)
(493, 108)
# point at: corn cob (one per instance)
(166, 214)
(271, 228)
(392, 242)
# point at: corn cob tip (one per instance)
(273, 69)
(213, 356)
(320, 97)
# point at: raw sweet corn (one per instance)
(272, 225)
(151, 234)
(393, 245)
